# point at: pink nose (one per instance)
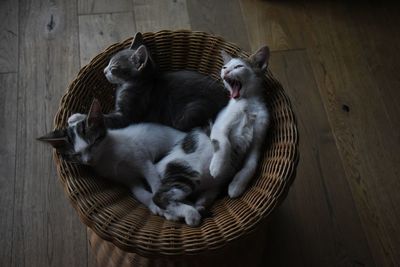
(226, 73)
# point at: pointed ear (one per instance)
(95, 116)
(261, 57)
(137, 41)
(225, 56)
(56, 138)
(140, 57)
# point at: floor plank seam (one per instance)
(104, 13)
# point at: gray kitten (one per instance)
(181, 99)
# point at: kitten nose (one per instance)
(225, 74)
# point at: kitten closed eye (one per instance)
(238, 66)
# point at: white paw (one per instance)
(75, 118)
(192, 217)
(171, 217)
(235, 190)
(156, 210)
(216, 167)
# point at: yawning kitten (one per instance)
(232, 151)
(181, 99)
(244, 80)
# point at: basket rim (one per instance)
(277, 200)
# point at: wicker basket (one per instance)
(114, 215)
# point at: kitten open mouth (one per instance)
(235, 86)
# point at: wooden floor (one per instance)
(338, 62)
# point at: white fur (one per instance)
(248, 107)
(128, 154)
(241, 125)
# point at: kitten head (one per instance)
(240, 74)
(128, 64)
(84, 133)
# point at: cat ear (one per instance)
(261, 57)
(95, 116)
(225, 56)
(137, 41)
(139, 58)
(56, 138)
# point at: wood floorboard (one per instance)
(274, 23)
(97, 32)
(222, 18)
(103, 6)
(8, 121)
(153, 15)
(365, 133)
(8, 36)
(318, 225)
(46, 231)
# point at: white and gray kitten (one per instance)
(124, 155)
(244, 80)
(198, 168)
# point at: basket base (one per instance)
(244, 252)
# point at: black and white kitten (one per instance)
(123, 155)
(244, 80)
(180, 99)
(201, 165)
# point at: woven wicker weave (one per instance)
(114, 215)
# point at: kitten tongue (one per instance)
(235, 90)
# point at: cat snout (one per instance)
(226, 73)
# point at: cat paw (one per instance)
(171, 217)
(235, 190)
(192, 217)
(216, 167)
(156, 210)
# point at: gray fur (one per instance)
(181, 99)
(189, 143)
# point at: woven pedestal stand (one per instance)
(124, 230)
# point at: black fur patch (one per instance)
(179, 175)
(180, 171)
(189, 143)
(215, 144)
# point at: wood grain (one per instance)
(8, 121)
(153, 15)
(366, 130)
(8, 36)
(97, 32)
(222, 18)
(46, 231)
(103, 6)
(318, 224)
(273, 23)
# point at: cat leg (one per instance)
(189, 213)
(169, 198)
(146, 198)
(243, 177)
(220, 160)
(151, 175)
